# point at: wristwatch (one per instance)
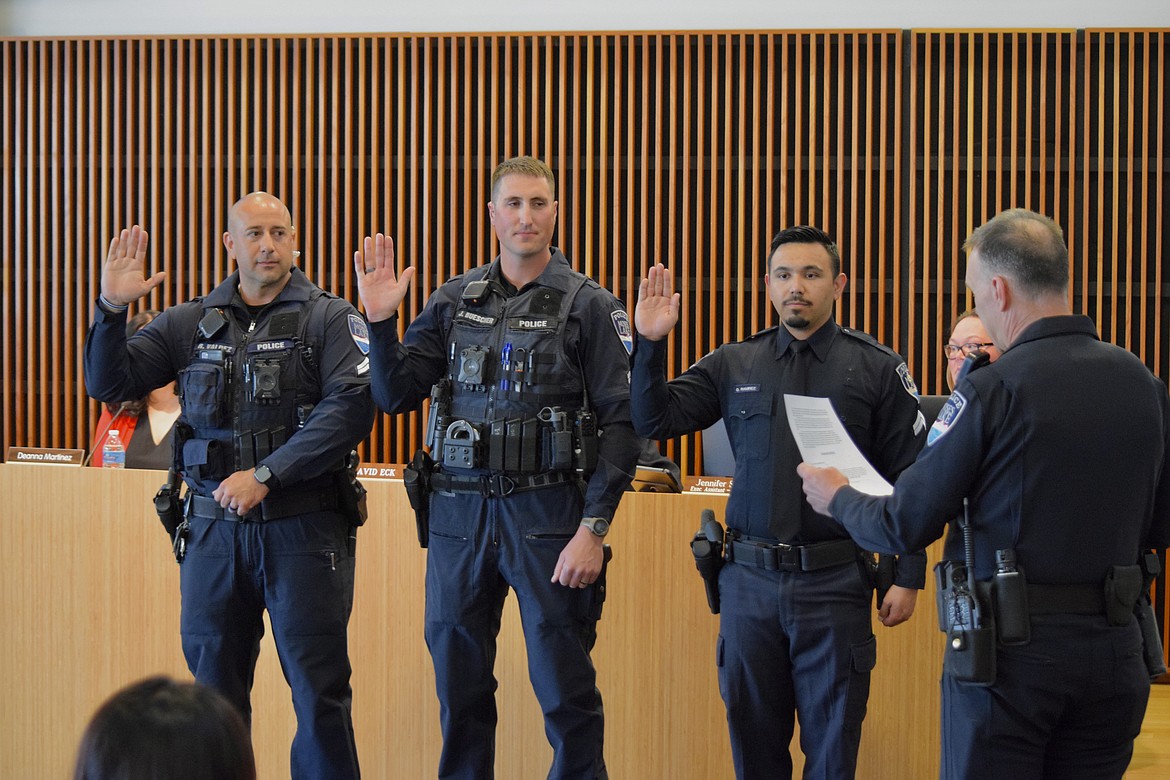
(598, 525)
(265, 477)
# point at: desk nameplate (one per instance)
(45, 456)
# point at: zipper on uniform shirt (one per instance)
(246, 372)
(247, 369)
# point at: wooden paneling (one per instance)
(89, 607)
(92, 611)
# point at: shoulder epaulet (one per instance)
(762, 333)
(590, 282)
(862, 336)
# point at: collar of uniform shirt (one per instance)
(820, 341)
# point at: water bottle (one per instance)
(113, 452)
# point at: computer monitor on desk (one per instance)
(718, 461)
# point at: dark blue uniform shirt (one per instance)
(404, 371)
(868, 384)
(1060, 447)
(117, 368)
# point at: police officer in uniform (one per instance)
(1059, 448)
(795, 623)
(527, 362)
(275, 394)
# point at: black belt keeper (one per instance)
(497, 485)
(1079, 599)
(272, 508)
(788, 557)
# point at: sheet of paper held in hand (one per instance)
(823, 442)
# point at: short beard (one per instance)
(796, 321)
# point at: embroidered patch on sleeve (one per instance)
(621, 323)
(907, 380)
(360, 333)
(947, 417)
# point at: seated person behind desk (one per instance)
(967, 336)
(144, 424)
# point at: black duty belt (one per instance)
(497, 485)
(271, 508)
(791, 557)
(1079, 599)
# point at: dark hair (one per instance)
(1026, 246)
(165, 730)
(137, 406)
(804, 234)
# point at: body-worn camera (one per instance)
(472, 361)
(265, 384)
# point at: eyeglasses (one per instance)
(953, 350)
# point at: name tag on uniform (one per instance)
(213, 353)
(275, 345)
(530, 322)
(472, 318)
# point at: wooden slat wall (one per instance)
(1072, 124)
(690, 149)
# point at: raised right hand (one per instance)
(381, 291)
(657, 310)
(123, 273)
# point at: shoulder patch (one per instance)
(907, 380)
(360, 333)
(950, 413)
(621, 323)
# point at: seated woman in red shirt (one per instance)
(145, 424)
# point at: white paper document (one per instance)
(823, 442)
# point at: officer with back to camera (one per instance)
(527, 363)
(1058, 452)
(275, 395)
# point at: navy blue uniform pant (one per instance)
(1065, 706)
(478, 549)
(300, 569)
(795, 642)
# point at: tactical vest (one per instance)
(513, 402)
(245, 392)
